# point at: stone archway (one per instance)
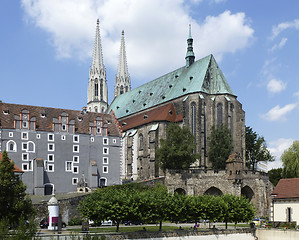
(213, 191)
(180, 191)
(247, 192)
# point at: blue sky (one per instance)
(46, 49)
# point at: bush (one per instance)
(75, 221)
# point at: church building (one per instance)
(196, 95)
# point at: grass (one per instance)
(246, 225)
(129, 229)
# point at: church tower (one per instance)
(190, 54)
(97, 93)
(122, 79)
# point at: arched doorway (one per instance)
(247, 192)
(213, 191)
(180, 191)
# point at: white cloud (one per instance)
(224, 33)
(279, 114)
(280, 45)
(276, 30)
(155, 31)
(277, 148)
(276, 86)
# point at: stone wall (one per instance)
(67, 208)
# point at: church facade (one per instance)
(196, 95)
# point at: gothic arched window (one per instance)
(96, 90)
(121, 89)
(193, 118)
(101, 89)
(140, 141)
(219, 113)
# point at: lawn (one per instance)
(129, 229)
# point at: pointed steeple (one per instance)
(122, 79)
(190, 54)
(97, 94)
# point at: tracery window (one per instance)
(140, 141)
(219, 113)
(193, 118)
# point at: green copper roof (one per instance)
(204, 75)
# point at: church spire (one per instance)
(190, 54)
(97, 94)
(122, 79)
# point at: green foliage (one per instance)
(23, 230)
(290, 160)
(75, 221)
(235, 209)
(152, 205)
(177, 150)
(220, 146)
(14, 202)
(256, 149)
(275, 175)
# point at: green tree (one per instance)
(154, 205)
(116, 203)
(275, 175)
(14, 202)
(235, 209)
(220, 146)
(177, 150)
(256, 149)
(178, 208)
(290, 160)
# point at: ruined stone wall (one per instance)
(198, 182)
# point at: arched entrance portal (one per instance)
(247, 193)
(180, 191)
(213, 191)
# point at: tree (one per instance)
(290, 161)
(275, 175)
(220, 146)
(14, 202)
(177, 150)
(116, 203)
(155, 205)
(256, 149)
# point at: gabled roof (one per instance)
(163, 113)
(286, 188)
(203, 75)
(16, 168)
(43, 117)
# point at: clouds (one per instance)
(277, 148)
(276, 30)
(280, 45)
(276, 86)
(278, 113)
(155, 31)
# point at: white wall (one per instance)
(277, 234)
(280, 211)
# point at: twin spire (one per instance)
(97, 94)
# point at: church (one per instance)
(196, 95)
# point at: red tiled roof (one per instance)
(286, 188)
(163, 113)
(16, 168)
(44, 118)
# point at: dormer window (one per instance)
(145, 116)
(43, 115)
(5, 112)
(80, 119)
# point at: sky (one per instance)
(46, 48)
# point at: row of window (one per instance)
(24, 136)
(29, 146)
